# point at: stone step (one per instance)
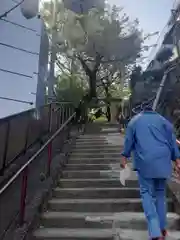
(73, 234)
(101, 141)
(110, 130)
(96, 234)
(102, 136)
(94, 160)
(95, 146)
(92, 174)
(104, 133)
(80, 193)
(95, 183)
(110, 174)
(80, 167)
(125, 220)
(99, 205)
(92, 136)
(96, 155)
(89, 202)
(93, 142)
(92, 139)
(97, 150)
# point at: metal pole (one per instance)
(175, 41)
(158, 95)
(162, 84)
(176, 32)
(54, 4)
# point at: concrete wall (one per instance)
(20, 52)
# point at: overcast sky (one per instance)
(152, 14)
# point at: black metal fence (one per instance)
(21, 195)
(20, 132)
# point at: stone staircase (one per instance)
(90, 204)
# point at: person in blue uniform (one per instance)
(151, 139)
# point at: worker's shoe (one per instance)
(164, 233)
(160, 238)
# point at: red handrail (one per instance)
(24, 169)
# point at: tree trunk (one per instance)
(108, 104)
(92, 84)
(91, 74)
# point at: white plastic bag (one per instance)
(125, 174)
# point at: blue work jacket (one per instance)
(151, 139)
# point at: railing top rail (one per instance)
(19, 114)
(134, 110)
(65, 102)
(8, 118)
(17, 174)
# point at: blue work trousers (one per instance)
(153, 194)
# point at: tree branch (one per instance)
(61, 65)
(98, 63)
(85, 66)
(109, 60)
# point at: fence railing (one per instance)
(139, 107)
(20, 132)
(26, 182)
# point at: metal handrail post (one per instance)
(49, 159)
(6, 147)
(23, 196)
(27, 134)
(50, 117)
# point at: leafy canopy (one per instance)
(100, 39)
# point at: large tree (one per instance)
(102, 41)
(70, 88)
